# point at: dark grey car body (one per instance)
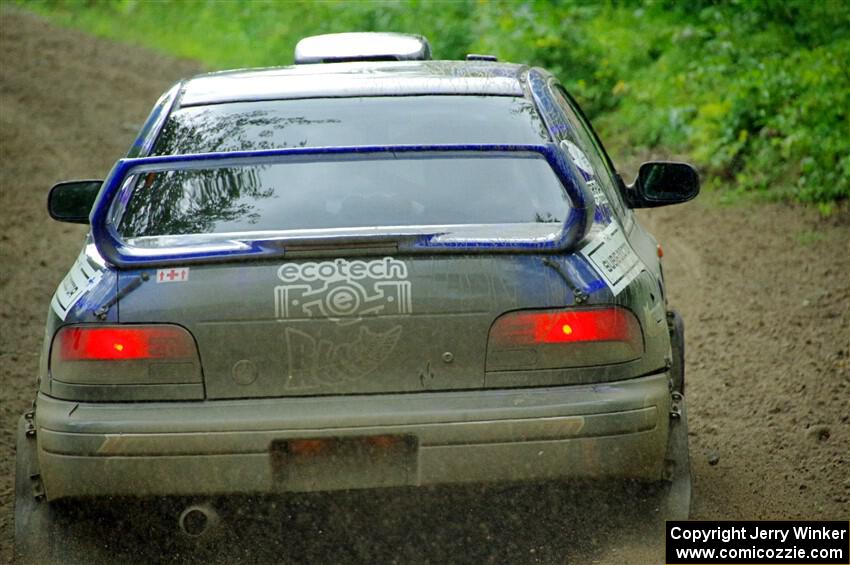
(341, 337)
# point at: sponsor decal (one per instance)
(598, 194)
(83, 276)
(583, 163)
(611, 255)
(316, 361)
(343, 290)
(172, 275)
(579, 158)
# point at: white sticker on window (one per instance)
(598, 194)
(578, 157)
(612, 256)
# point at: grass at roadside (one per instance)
(753, 91)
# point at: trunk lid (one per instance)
(353, 325)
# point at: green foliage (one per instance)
(249, 33)
(757, 93)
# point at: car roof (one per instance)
(327, 80)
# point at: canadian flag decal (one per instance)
(172, 275)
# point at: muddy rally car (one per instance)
(369, 269)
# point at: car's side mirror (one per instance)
(661, 182)
(71, 201)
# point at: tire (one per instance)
(40, 527)
(679, 487)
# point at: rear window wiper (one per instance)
(101, 312)
(579, 296)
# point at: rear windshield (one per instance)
(322, 122)
(417, 189)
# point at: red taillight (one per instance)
(102, 355)
(81, 343)
(530, 328)
(552, 339)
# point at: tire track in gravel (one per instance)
(767, 314)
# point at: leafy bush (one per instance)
(756, 92)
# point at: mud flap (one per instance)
(32, 540)
(46, 532)
(677, 504)
(676, 326)
(43, 532)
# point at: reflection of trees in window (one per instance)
(546, 218)
(193, 201)
(521, 106)
(212, 130)
(356, 121)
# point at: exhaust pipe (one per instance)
(198, 519)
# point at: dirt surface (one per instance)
(764, 290)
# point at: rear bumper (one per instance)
(610, 430)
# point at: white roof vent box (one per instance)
(362, 46)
